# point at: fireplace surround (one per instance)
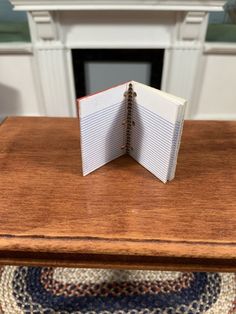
(57, 27)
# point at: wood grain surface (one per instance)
(120, 215)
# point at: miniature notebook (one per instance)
(133, 119)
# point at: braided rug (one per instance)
(62, 290)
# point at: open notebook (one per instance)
(133, 119)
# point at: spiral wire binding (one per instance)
(130, 98)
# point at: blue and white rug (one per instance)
(48, 290)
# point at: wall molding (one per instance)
(16, 48)
(219, 48)
(161, 5)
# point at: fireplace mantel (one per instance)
(159, 5)
(58, 26)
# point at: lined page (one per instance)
(157, 122)
(102, 133)
(156, 131)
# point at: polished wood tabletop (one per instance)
(120, 215)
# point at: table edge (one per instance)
(118, 246)
(97, 253)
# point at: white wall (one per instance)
(17, 86)
(217, 95)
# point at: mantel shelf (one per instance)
(158, 5)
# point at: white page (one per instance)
(155, 135)
(101, 130)
(156, 131)
(176, 142)
(163, 104)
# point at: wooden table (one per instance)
(120, 215)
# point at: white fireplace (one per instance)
(58, 26)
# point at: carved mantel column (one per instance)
(51, 63)
(184, 57)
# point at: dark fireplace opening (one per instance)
(98, 69)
